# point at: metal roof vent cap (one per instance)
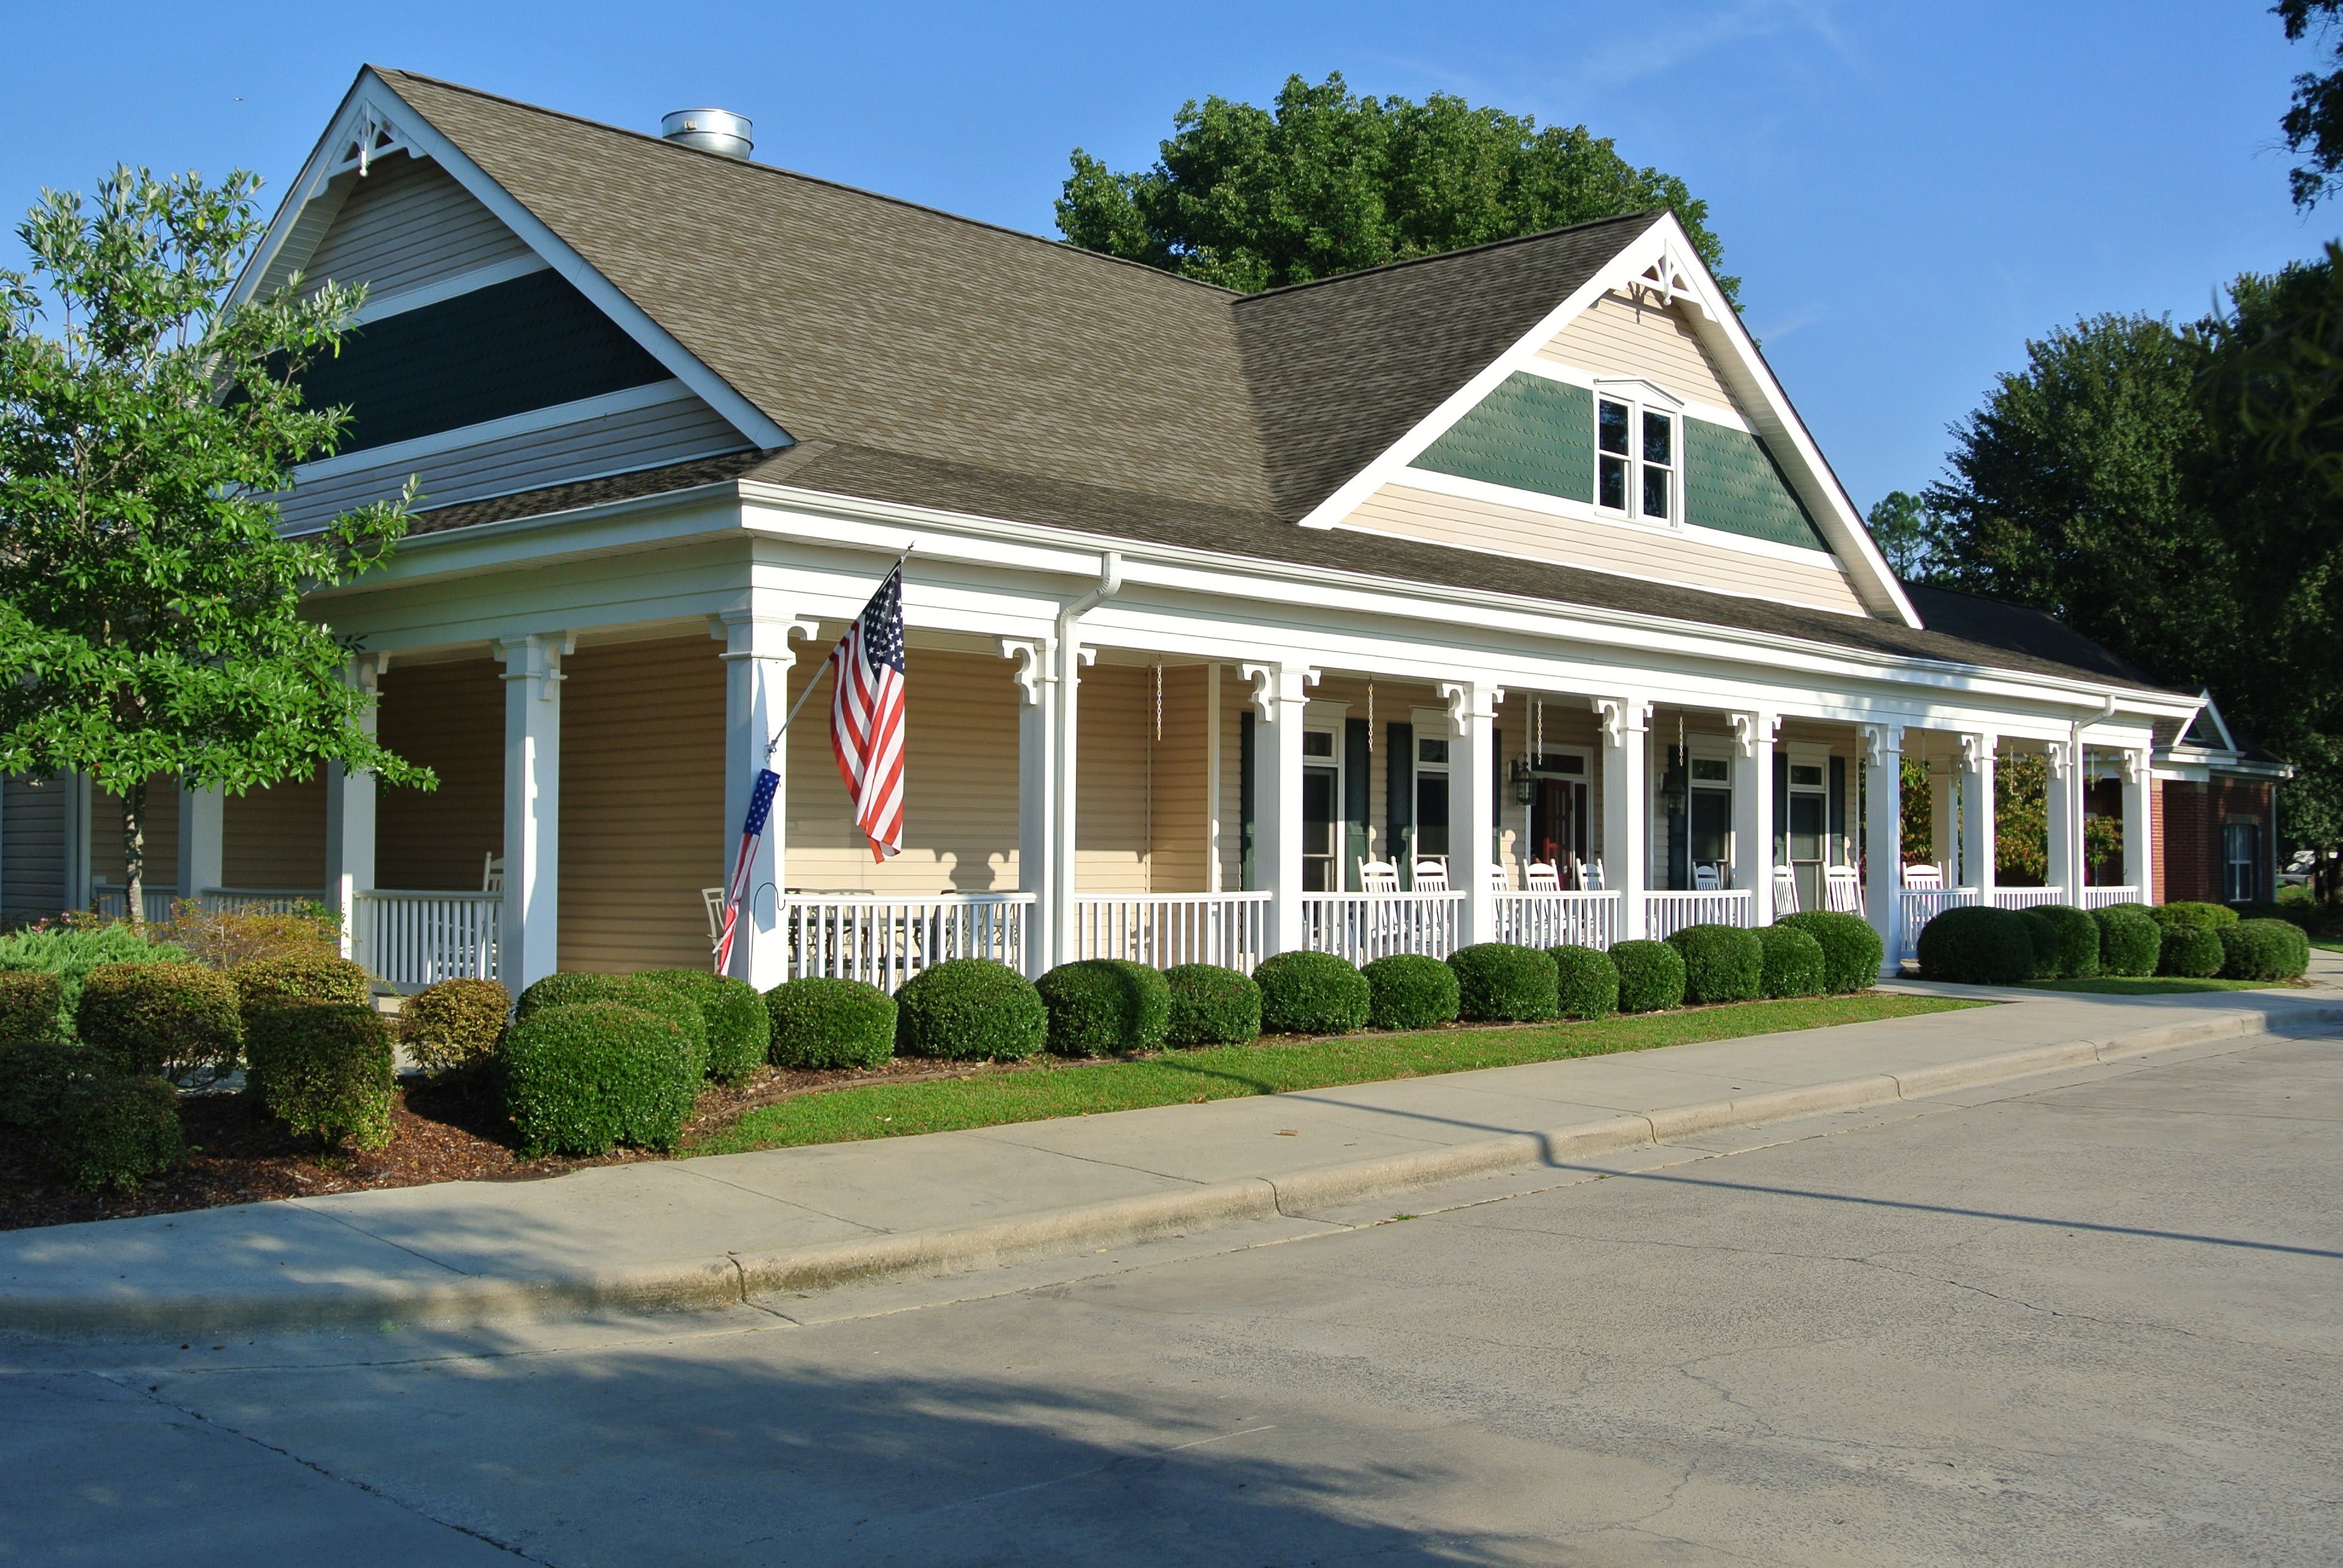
(709, 130)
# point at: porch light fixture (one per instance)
(1524, 783)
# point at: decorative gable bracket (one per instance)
(1669, 275)
(373, 136)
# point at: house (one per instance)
(1516, 556)
(2215, 810)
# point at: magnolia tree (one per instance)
(150, 608)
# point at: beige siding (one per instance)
(276, 837)
(33, 827)
(106, 854)
(642, 803)
(1180, 828)
(1234, 704)
(1617, 337)
(450, 718)
(1475, 524)
(408, 223)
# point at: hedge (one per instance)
(2186, 912)
(1105, 1004)
(1791, 962)
(2130, 943)
(967, 1009)
(819, 1023)
(2043, 935)
(1721, 963)
(1500, 982)
(1312, 993)
(1587, 982)
(2264, 950)
(116, 1130)
(1409, 991)
(2066, 940)
(70, 953)
(1212, 1006)
(454, 1026)
(295, 978)
(144, 1019)
(1853, 954)
(326, 1069)
(2192, 952)
(583, 1078)
(1977, 945)
(32, 1005)
(34, 1076)
(1651, 976)
(739, 1030)
(577, 988)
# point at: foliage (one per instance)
(225, 938)
(1212, 1006)
(1651, 976)
(1853, 954)
(571, 987)
(2044, 935)
(150, 609)
(1721, 963)
(2071, 937)
(32, 1005)
(2190, 912)
(2130, 943)
(2193, 951)
(71, 951)
(115, 1130)
(738, 1027)
(1792, 964)
(454, 1026)
(1105, 1004)
(1917, 815)
(1907, 530)
(1327, 181)
(34, 1076)
(325, 1069)
(821, 1023)
(2264, 951)
(144, 1019)
(1978, 945)
(1409, 991)
(969, 1010)
(582, 1078)
(1501, 982)
(1587, 982)
(2313, 122)
(1310, 994)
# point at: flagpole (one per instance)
(816, 681)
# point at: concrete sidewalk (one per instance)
(728, 1228)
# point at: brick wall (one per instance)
(2191, 817)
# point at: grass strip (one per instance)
(1229, 1072)
(2150, 985)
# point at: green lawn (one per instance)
(2331, 947)
(2147, 985)
(990, 1099)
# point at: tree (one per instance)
(150, 611)
(1909, 533)
(2313, 121)
(1329, 182)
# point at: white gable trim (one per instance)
(549, 417)
(1690, 407)
(1458, 484)
(379, 306)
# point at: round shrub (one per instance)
(967, 1009)
(34, 1075)
(2264, 950)
(2043, 935)
(144, 1019)
(32, 1005)
(1587, 982)
(289, 978)
(326, 1069)
(2069, 936)
(1212, 1006)
(116, 1130)
(739, 1030)
(1977, 945)
(2130, 943)
(2186, 912)
(1105, 1004)
(1409, 990)
(821, 1023)
(1651, 976)
(585, 1077)
(1500, 982)
(1312, 993)
(1853, 954)
(1721, 963)
(1793, 962)
(454, 1026)
(575, 988)
(2190, 951)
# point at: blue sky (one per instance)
(1908, 191)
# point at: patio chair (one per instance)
(1786, 891)
(1928, 878)
(1378, 876)
(1545, 876)
(1705, 880)
(1843, 890)
(1589, 874)
(492, 873)
(714, 899)
(1430, 873)
(1498, 881)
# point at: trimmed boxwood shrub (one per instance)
(1310, 994)
(1501, 982)
(1852, 952)
(2188, 912)
(116, 1130)
(2045, 938)
(34, 1076)
(2130, 943)
(821, 1023)
(326, 1069)
(1793, 962)
(2264, 950)
(1212, 1006)
(32, 1005)
(454, 1026)
(1409, 990)
(144, 1019)
(295, 978)
(739, 1030)
(584, 1078)
(2192, 952)
(2069, 937)
(1721, 963)
(70, 953)
(1977, 945)
(1587, 982)
(1105, 1004)
(575, 988)
(967, 1009)
(1651, 976)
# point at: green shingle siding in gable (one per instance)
(1530, 434)
(1732, 483)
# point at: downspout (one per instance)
(1070, 665)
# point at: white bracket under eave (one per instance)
(1881, 742)
(1032, 673)
(374, 137)
(1669, 275)
(1748, 728)
(1622, 716)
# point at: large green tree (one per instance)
(2313, 121)
(1329, 181)
(150, 609)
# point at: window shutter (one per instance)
(1356, 733)
(1781, 806)
(1247, 791)
(1399, 795)
(1837, 852)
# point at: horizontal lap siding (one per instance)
(1114, 768)
(1616, 337)
(1180, 844)
(276, 837)
(408, 223)
(107, 853)
(32, 828)
(450, 718)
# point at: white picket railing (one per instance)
(1667, 913)
(1558, 919)
(111, 900)
(885, 941)
(1364, 927)
(1916, 907)
(412, 939)
(263, 900)
(2028, 897)
(2100, 898)
(1164, 930)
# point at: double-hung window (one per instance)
(1636, 459)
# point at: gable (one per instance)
(1619, 335)
(404, 224)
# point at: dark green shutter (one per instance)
(1835, 855)
(1781, 808)
(1247, 791)
(1675, 784)
(1398, 797)
(1356, 733)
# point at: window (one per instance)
(1322, 825)
(1806, 776)
(1570, 762)
(1317, 743)
(2241, 856)
(1434, 752)
(1711, 770)
(1636, 460)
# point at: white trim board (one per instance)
(549, 417)
(1690, 407)
(1575, 511)
(406, 299)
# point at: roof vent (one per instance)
(709, 130)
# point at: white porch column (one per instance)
(528, 942)
(1280, 696)
(203, 841)
(1625, 805)
(1883, 863)
(1037, 766)
(1472, 809)
(350, 815)
(1976, 813)
(1944, 821)
(757, 663)
(2138, 831)
(2064, 807)
(1753, 811)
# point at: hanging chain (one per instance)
(1159, 699)
(1371, 715)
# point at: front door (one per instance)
(1558, 822)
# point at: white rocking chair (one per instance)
(1544, 877)
(1843, 890)
(1706, 879)
(1430, 873)
(492, 873)
(1786, 891)
(1587, 873)
(1378, 876)
(714, 899)
(1924, 879)
(1498, 881)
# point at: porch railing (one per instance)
(1164, 930)
(410, 939)
(1916, 907)
(111, 900)
(2028, 897)
(1558, 919)
(885, 941)
(2100, 898)
(1364, 927)
(1667, 913)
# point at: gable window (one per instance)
(1636, 460)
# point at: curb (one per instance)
(737, 1277)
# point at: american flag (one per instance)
(866, 716)
(760, 808)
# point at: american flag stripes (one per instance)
(866, 716)
(760, 808)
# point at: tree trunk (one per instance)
(134, 854)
